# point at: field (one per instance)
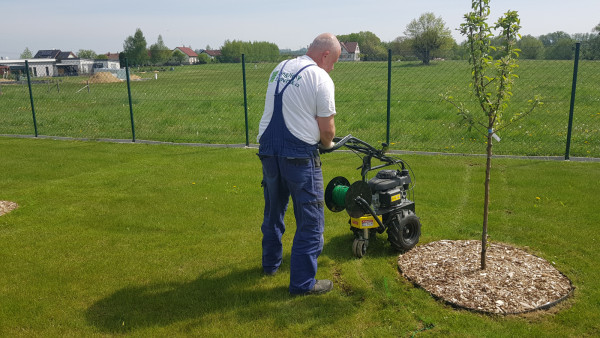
(205, 104)
(158, 240)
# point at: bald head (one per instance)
(325, 50)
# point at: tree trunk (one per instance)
(486, 203)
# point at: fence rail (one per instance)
(395, 101)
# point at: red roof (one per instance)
(112, 56)
(188, 51)
(213, 53)
(350, 46)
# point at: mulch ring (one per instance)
(513, 282)
(7, 206)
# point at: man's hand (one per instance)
(326, 149)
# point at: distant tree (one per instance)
(371, 47)
(590, 45)
(596, 29)
(557, 46)
(531, 47)
(429, 35)
(86, 54)
(552, 39)
(159, 52)
(254, 51)
(102, 57)
(26, 54)
(135, 50)
(402, 48)
(178, 56)
(203, 58)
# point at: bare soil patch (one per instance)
(103, 77)
(7, 206)
(514, 281)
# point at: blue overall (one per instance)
(291, 167)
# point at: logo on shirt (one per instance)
(285, 78)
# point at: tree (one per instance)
(159, 52)
(557, 46)
(428, 35)
(86, 54)
(203, 58)
(26, 54)
(491, 82)
(254, 51)
(178, 56)
(371, 47)
(402, 48)
(134, 49)
(531, 47)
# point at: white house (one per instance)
(190, 56)
(350, 51)
(37, 67)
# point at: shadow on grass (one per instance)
(162, 304)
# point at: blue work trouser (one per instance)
(302, 179)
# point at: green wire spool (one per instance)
(335, 194)
(339, 195)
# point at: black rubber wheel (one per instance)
(359, 247)
(404, 230)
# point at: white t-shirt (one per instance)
(310, 95)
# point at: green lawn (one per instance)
(158, 240)
(205, 104)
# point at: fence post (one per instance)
(31, 97)
(129, 94)
(245, 97)
(389, 95)
(572, 107)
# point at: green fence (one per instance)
(206, 104)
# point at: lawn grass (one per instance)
(158, 240)
(205, 104)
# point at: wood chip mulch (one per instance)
(7, 206)
(513, 282)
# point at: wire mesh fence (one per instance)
(206, 104)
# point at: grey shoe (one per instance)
(321, 286)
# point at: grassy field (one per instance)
(155, 240)
(205, 104)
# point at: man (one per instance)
(298, 119)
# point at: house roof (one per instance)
(187, 51)
(213, 53)
(351, 47)
(112, 56)
(66, 55)
(47, 54)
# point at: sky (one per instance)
(103, 26)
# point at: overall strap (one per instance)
(277, 92)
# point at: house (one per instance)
(47, 54)
(190, 56)
(37, 67)
(350, 51)
(112, 56)
(54, 54)
(53, 62)
(214, 53)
